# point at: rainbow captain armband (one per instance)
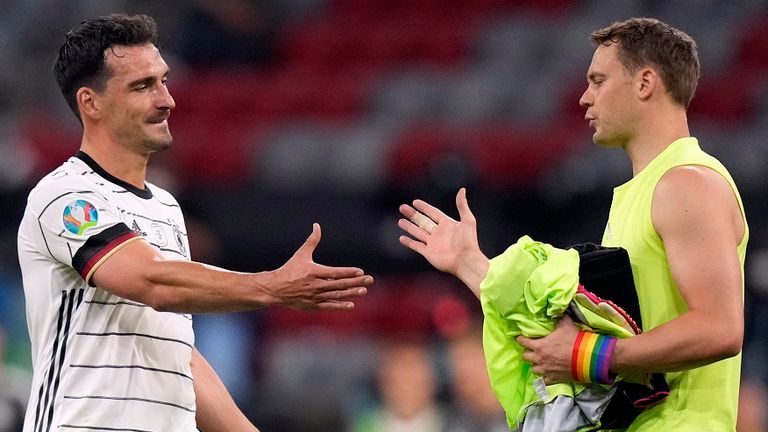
(591, 358)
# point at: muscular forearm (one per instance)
(691, 340)
(191, 287)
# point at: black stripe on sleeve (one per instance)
(95, 245)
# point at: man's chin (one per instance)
(159, 144)
(606, 143)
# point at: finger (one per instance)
(343, 294)
(525, 342)
(423, 222)
(331, 284)
(407, 210)
(528, 356)
(327, 272)
(331, 305)
(465, 214)
(413, 230)
(432, 212)
(418, 218)
(413, 245)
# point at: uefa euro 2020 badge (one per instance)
(80, 215)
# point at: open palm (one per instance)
(449, 245)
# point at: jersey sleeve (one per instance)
(80, 228)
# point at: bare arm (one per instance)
(138, 272)
(697, 216)
(449, 245)
(216, 411)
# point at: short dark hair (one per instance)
(81, 60)
(650, 42)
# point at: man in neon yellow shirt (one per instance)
(680, 217)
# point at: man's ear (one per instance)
(649, 82)
(88, 102)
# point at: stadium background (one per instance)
(336, 111)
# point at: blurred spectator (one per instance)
(226, 31)
(13, 323)
(14, 391)
(474, 406)
(753, 402)
(407, 388)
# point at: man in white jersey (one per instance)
(106, 264)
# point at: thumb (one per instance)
(311, 242)
(463, 205)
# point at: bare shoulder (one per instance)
(685, 179)
(694, 197)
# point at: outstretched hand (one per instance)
(449, 245)
(303, 284)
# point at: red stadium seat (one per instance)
(50, 140)
(728, 99)
(752, 45)
(416, 150)
(507, 156)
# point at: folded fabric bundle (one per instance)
(526, 290)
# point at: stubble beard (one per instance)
(155, 145)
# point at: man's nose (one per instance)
(164, 98)
(586, 99)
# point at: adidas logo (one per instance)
(137, 229)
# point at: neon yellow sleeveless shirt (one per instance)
(701, 399)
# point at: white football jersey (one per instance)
(101, 362)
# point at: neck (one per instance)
(128, 166)
(661, 129)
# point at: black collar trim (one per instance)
(145, 193)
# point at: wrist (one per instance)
(262, 289)
(473, 270)
(591, 358)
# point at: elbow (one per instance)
(733, 346)
(730, 343)
(160, 297)
(157, 300)
(728, 351)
